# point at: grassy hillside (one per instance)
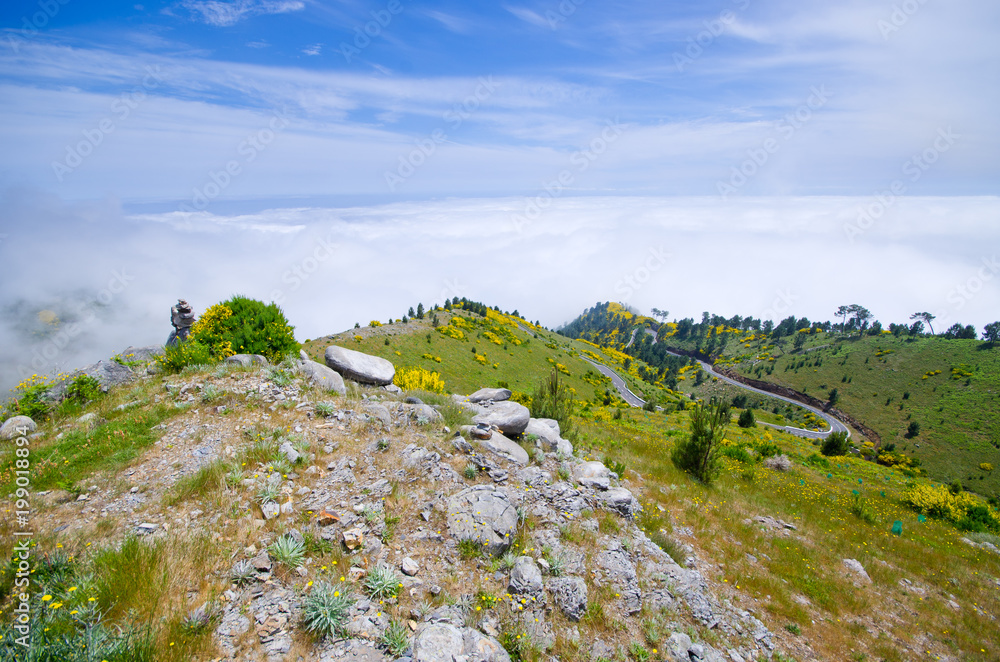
(950, 388)
(767, 541)
(469, 351)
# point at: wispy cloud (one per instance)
(528, 16)
(450, 21)
(222, 14)
(315, 49)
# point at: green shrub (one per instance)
(394, 639)
(177, 357)
(834, 444)
(382, 582)
(29, 399)
(83, 389)
(747, 419)
(288, 551)
(325, 611)
(698, 454)
(245, 326)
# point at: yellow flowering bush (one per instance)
(418, 379)
(937, 500)
(451, 332)
(493, 338)
(374, 323)
(986, 466)
(238, 326)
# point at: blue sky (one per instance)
(791, 156)
(697, 87)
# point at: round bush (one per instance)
(245, 326)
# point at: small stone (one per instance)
(409, 567)
(326, 518)
(270, 510)
(352, 539)
(146, 528)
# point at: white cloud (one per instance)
(739, 257)
(315, 49)
(223, 14)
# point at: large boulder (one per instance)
(360, 367)
(323, 377)
(507, 449)
(512, 418)
(570, 595)
(444, 642)
(495, 394)
(17, 426)
(484, 515)
(592, 474)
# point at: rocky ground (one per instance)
(500, 537)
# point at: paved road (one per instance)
(835, 425)
(623, 389)
(635, 401)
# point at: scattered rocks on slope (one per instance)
(484, 515)
(440, 642)
(570, 595)
(360, 367)
(247, 360)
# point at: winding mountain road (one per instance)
(619, 383)
(635, 401)
(835, 425)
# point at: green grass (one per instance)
(80, 453)
(519, 366)
(959, 418)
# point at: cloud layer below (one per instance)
(118, 274)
